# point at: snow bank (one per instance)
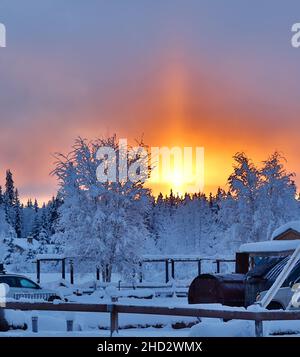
(215, 328)
(17, 318)
(282, 327)
(112, 291)
(270, 246)
(294, 225)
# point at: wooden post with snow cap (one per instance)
(114, 316)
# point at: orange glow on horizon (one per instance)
(175, 103)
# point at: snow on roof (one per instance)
(25, 245)
(294, 225)
(50, 256)
(275, 246)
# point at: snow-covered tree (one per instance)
(28, 219)
(244, 185)
(277, 196)
(17, 214)
(101, 223)
(9, 188)
(9, 197)
(7, 235)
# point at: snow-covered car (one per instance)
(283, 298)
(20, 287)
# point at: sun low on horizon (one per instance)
(185, 78)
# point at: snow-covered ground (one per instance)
(98, 324)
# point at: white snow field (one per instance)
(97, 324)
(138, 325)
(87, 290)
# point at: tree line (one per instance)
(113, 224)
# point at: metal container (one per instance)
(225, 289)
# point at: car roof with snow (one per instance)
(15, 275)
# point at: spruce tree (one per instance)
(36, 228)
(9, 188)
(36, 205)
(53, 214)
(17, 218)
(29, 203)
(8, 197)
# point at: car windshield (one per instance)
(26, 283)
(18, 282)
(263, 265)
(273, 273)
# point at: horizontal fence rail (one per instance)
(114, 309)
(171, 260)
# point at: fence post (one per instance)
(172, 268)
(114, 321)
(167, 270)
(70, 324)
(34, 321)
(63, 269)
(218, 266)
(141, 272)
(199, 267)
(259, 328)
(71, 272)
(97, 273)
(114, 316)
(107, 273)
(38, 271)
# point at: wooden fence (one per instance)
(170, 262)
(115, 308)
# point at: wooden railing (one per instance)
(115, 308)
(170, 261)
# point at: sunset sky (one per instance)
(211, 73)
